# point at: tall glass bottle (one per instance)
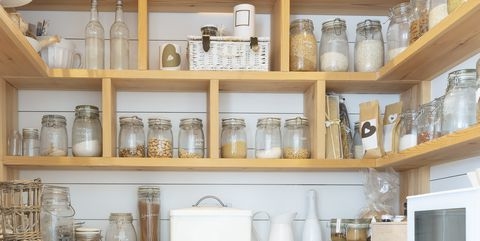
(119, 52)
(94, 41)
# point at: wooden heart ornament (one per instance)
(368, 130)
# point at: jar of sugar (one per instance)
(369, 46)
(86, 132)
(334, 46)
(268, 139)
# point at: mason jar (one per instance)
(369, 52)
(131, 138)
(398, 29)
(334, 46)
(303, 46)
(296, 139)
(419, 24)
(87, 132)
(268, 139)
(53, 136)
(120, 228)
(149, 212)
(233, 138)
(56, 214)
(438, 10)
(408, 130)
(159, 138)
(31, 142)
(191, 140)
(427, 121)
(357, 230)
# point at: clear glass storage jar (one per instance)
(56, 214)
(31, 142)
(296, 139)
(120, 228)
(408, 130)
(427, 121)
(357, 230)
(459, 105)
(87, 131)
(191, 140)
(334, 46)
(268, 139)
(454, 4)
(437, 12)
(159, 138)
(303, 46)
(369, 53)
(398, 29)
(14, 143)
(149, 212)
(233, 138)
(419, 24)
(131, 140)
(53, 136)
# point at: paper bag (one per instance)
(333, 145)
(371, 129)
(391, 121)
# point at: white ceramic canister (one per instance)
(244, 20)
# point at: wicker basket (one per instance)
(228, 53)
(20, 210)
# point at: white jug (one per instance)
(281, 227)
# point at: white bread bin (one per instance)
(210, 223)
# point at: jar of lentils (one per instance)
(334, 46)
(303, 46)
(86, 132)
(53, 136)
(159, 138)
(131, 140)
(233, 138)
(268, 139)
(191, 140)
(427, 121)
(369, 46)
(296, 140)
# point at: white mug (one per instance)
(170, 58)
(244, 20)
(61, 55)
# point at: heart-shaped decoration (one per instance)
(392, 118)
(368, 130)
(170, 57)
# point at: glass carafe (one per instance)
(398, 30)
(119, 49)
(94, 41)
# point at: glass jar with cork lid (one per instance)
(131, 140)
(159, 138)
(303, 46)
(296, 140)
(233, 138)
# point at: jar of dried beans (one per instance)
(159, 138)
(131, 140)
(191, 140)
(303, 46)
(296, 141)
(233, 138)
(334, 46)
(369, 46)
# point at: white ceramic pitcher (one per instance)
(281, 227)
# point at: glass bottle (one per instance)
(357, 142)
(459, 105)
(408, 130)
(233, 138)
(437, 12)
(149, 212)
(15, 143)
(427, 121)
(268, 140)
(87, 132)
(334, 46)
(159, 138)
(303, 46)
(398, 30)
(296, 141)
(419, 24)
(94, 41)
(53, 136)
(31, 142)
(454, 4)
(369, 52)
(56, 214)
(121, 228)
(191, 140)
(131, 140)
(119, 49)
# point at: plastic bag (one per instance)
(381, 192)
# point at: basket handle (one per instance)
(206, 42)
(209, 197)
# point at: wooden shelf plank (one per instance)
(343, 7)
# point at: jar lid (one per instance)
(268, 121)
(233, 121)
(462, 77)
(159, 121)
(89, 109)
(33, 131)
(297, 121)
(131, 119)
(359, 223)
(401, 8)
(301, 22)
(121, 217)
(335, 23)
(191, 121)
(149, 190)
(368, 23)
(53, 194)
(54, 118)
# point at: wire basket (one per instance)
(20, 203)
(228, 53)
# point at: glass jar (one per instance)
(159, 138)
(149, 212)
(87, 132)
(459, 105)
(131, 140)
(268, 140)
(427, 121)
(88, 234)
(15, 143)
(334, 46)
(398, 30)
(53, 136)
(437, 12)
(121, 228)
(337, 229)
(454, 4)
(191, 140)
(296, 139)
(357, 142)
(419, 24)
(31, 142)
(303, 46)
(408, 130)
(56, 214)
(233, 138)
(357, 230)
(369, 52)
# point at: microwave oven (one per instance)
(444, 216)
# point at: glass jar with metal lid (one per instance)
(427, 121)
(159, 138)
(31, 142)
(369, 52)
(88, 234)
(149, 212)
(338, 229)
(334, 46)
(56, 214)
(191, 140)
(86, 132)
(233, 138)
(408, 130)
(357, 230)
(131, 140)
(459, 105)
(303, 46)
(296, 139)
(53, 136)
(419, 24)
(398, 30)
(268, 139)
(121, 228)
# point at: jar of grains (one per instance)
(268, 139)
(398, 29)
(296, 139)
(437, 12)
(419, 24)
(159, 138)
(427, 121)
(86, 132)
(357, 230)
(303, 46)
(334, 46)
(53, 136)
(369, 46)
(459, 105)
(454, 4)
(191, 141)
(131, 140)
(338, 229)
(233, 138)
(31, 142)
(408, 130)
